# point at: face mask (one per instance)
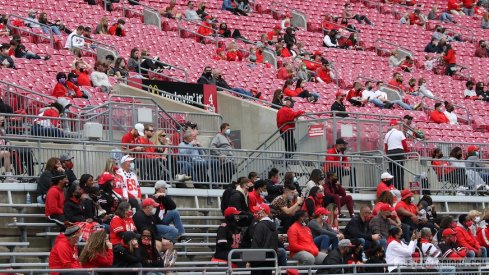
(227, 132)
(132, 166)
(80, 238)
(146, 241)
(121, 27)
(342, 149)
(129, 213)
(389, 182)
(453, 239)
(453, 224)
(77, 195)
(69, 165)
(477, 219)
(303, 68)
(338, 36)
(62, 81)
(208, 74)
(82, 70)
(334, 180)
(290, 197)
(325, 219)
(74, 80)
(476, 154)
(250, 189)
(295, 179)
(67, 184)
(303, 223)
(153, 211)
(412, 199)
(263, 194)
(319, 196)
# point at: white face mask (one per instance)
(263, 194)
(132, 166)
(477, 219)
(153, 211)
(412, 199)
(80, 239)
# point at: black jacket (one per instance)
(265, 235)
(356, 228)
(220, 82)
(274, 190)
(238, 200)
(167, 203)
(142, 221)
(430, 48)
(226, 196)
(377, 269)
(289, 39)
(44, 182)
(339, 107)
(206, 80)
(124, 258)
(70, 175)
(74, 212)
(333, 258)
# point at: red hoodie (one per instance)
(286, 114)
(101, 260)
(439, 117)
(62, 91)
(55, 200)
(466, 239)
(453, 5)
(300, 239)
(292, 93)
(482, 236)
(338, 160)
(450, 57)
(113, 28)
(64, 255)
(282, 73)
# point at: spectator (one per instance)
(190, 13)
(127, 252)
(44, 182)
(201, 11)
(238, 198)
(206, 28)
(354, 96)
(299, 91)
(99, 77)
(289, 38)
(465, 238)
(50, 27)
(408, 211)
(228, 235)
(358, 227)
(360, 18)
(221, 83)
(65, 88)
(381, 223)
(67, 165)
(109, 199)
(155, 255)
(445, 171)
(316, 179)
(432, 47)
(264, 235)
(74, 211)
(423, 90)
(368, 95)
(443, 16)
(450, 114)
(301, 245)
(171, 11)
(375, 255)
(398, 254)
(277, 100)
(257, 196)
(97, 252)
(75, 39)
(479, 90)
(18, 50)
(286, 205)
(121, 223)
(450, 59)
(130, 138)
(230, 5)
(324, 74)
(338, 257)
(481, 50)
(286, 72)
(5, 60)
(220, 146)
(395, 146)
(206, 77)
(190, 160)
(55, 200)
(323, 235)
(230, 188)
(134, 60)
(404, 20)
(103, 26)
(146, 218)
(417, 18)
(274, 36)
(437, 115)
(408, 64)
(485, 21)
(129, 181)
(448, 246)
(338, 105)
(337, 162)
(303, 73)
(468, 7)
(469, 92)
(286, 125)
(64, 254)
(474, 164)
(149, 163)
(120, 70)
(82, 69)
(455, 7)
(386, 184)
(48, 123)
(117, 28)
(395, 60)
(274, 188)
(334, 190)
(167, 209)
(314, 200)
(32, 21)
(282, 51)
(331, 39)
(410, 129)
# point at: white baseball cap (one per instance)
(386, 175)
(126, 158)
(140, 128)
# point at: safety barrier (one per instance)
(161, 67)
(49, 36)
(99, 49)
(299, 18)
(465, 118)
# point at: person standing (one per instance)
(395, 146)
(285, 123)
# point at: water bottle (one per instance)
(28, 198)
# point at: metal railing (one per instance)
(332, 67)
(164, 66)
(263, 102)
(49, 36)
(299, 18)
(373, 80)
(396, 7)
(94, 47)
(399, 48)
(181, 28)
(342, 27)
(424, 108)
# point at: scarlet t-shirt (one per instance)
(382, 187)
(324, 75)
(409, 207)
(128, 138)
(149, 150)
(118, 225)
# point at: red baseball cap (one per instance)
(149, 201)
(261, 207)
(288, 15)
(393, 122)
(448, 232)
(321, 211)
(339, 93)
(231, 211)
(386, 207)
(105, 177)
(277, 27)
(317, 52)
(472, 148)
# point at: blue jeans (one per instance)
(469, 12)
(39, 199)
(172, 216)
(242, 91)
(402, 104)
(322, 242)
(445, 17)
(53, 28)
(38, 130)
(377, 102)
(282, 256)
(196, 168)
(167, 232)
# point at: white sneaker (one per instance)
(10, 178)
(182, 177)
(458, 193)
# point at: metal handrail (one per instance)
(269, 104)
(163, 75)
(394, 5)
(441, 100)
(341, 26)
(471, 32)
(93, 41)
(50, 36)
(383, 83)
(392, 44)
(274, 3)
(180, 28)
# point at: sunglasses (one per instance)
(162, 135)
(149, 130)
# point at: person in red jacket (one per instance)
(286, 71)
(256, 197)
(386, 184)
(233, 54)
(118, 28)
(64, 254)
(206, 28)
(323, 74)
(285, 123)
(314, 200)
(450, 59)
(466, 239)
(334, 189)
(98, 251)
(299, 91)
(438, 115)
(274, 36)
(335, 161)
(449, 248)
(455, 7)
(65, 88)
(415, 18)
(301, 244)
(55, 199)
(469, 6)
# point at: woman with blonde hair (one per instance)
(161, 139)
(482, 234)
(98, 251)
(103, 26)
(333, 216)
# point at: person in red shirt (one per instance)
(285, 123)
(448, 246)
(415, 18)
(232, 53)
(130, 138)
(334, 189)
(99, 251)
(286, 71)
(314, 63)
(274, 36)
(121, 222)
(65, 88)
(354, 95)
(469, 7)
(282, 51)
(256, 197)
(206, 28)
(323, 74)
(454, 7)
(118, 28)
(465, 238)
(328, 24)
(301, 245)
(397, 80)
(407, 65)
(298, 91)
(55, 200)
(220, 54)
(450, 59)
(438, 115)
(408, 211)
(335, 161)
(83, 70)
(64, 254)
(386, 184)
(149, 163)
(313, 201)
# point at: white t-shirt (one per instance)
(394, 139)
(77, 41)
(452, 117)
(367, 95)
(130, 184)
(380, 95)
(468, 92)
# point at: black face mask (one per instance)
(389, 182)
(334, 180)
(342, 149)
(208, 74)
(250, 189)
(77, 195)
